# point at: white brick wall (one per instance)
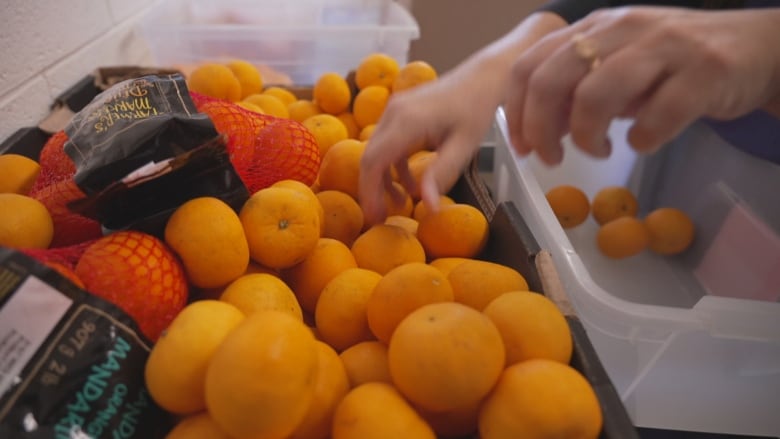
(47, 46)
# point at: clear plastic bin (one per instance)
(692, 342)
(299, 38)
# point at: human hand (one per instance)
(664, 67)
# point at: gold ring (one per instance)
(586, 50)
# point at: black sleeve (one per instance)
(573, 10)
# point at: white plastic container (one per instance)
(691, 342)
(298, 38)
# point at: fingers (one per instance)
(442, 174)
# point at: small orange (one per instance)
(281, 225)
(445, 356)
(531, 326)
(326, 260)
(421, 209)
(445, 265)
(331, 385)
(541, 399)
(353, 130)
(366, 131)
(377, 69)
(378, 411)
(327, 129)
(476, 282)
(402, 207)
(269, 104)
(261, 292)
(340, 315)
(613, 202)
(403, 221)
(366, 362)
(248, 76)
(215, 80)
(671, 230)
(305, 190)
(25, 222)
(384, 247)
(303, 109)
(413, 74)
(340, 167)
(343, 216)
(369, 104)
(259, 380)
(402, 290)
(331, 92)
(623, 237)
(569, 204)
(175, 371)
(17, 173)
(456, 230)
(284, 95)
(197, 426)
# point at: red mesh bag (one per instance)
(69, 227)
(55, 164)
(67, 255)
(263, 149)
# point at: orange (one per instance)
(445, 356)
(331, 92)
(25, 222)
(541, 399)
(613, 202)
(331, 385)
(405, 222)
(376, 69)
(248, 76)
(284, 95)
(569, 204)
(531, 326)
(623, 237)
(378, 411)
(326, 260)
(366, 362)
(327, 129)
(197, 426)
(671, 230)
(207, 235)
(369, 104)
(421, 209)
(261, 292)
(259, 380)
(343, 216)
(413, 74)
(340, 315)
(476, 282)
(455, 230)
(384, 247)
(418, 164)
(176, 368)
(340, 167)
(303, 109)
(269, 103)
(402, 290)
(366, 131)
(215, 80)
(306, 191)
(393, 206)
(281, 225)
(17, 173)
(445, 265)
(250, 106)
(348, 119)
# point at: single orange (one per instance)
(476, 282)
(378, 69)
(671, 230)
(613, 202)
(455, 230)
(623, 237)
(384, 247)
(331, 92)
(413, 74)
(366, 362)
(327, 129)
(369, 104)
(340, 167)
(303, 109)
(343, 216)
(569, 204)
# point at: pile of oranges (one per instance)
(292, 317)
(621, 233)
